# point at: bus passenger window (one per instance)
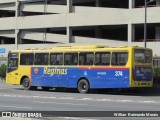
(86, 58)
(56, 59)
(67, 62)
(53, 60)
(71, 58)
(26, 58)
(102, 58)
(90, 62)
(81, 60)
(119, 58)
(41, 58)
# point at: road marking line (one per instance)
(124, 100)
(52, 97)
(82, 99)
(20, 96)
(6, 95)
(89, 99)
(66, 98)
(27, 96)
(15, 107)
(36, 96)
(58, 103)
(44, 97)
(103, 100)
(147, 101)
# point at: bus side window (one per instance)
(26, 58)
(67, 62)
(102, 58)
(41, 58)
(81, 60)
(53, 60)
(119, 58)
(71, 58)
(56, 58)
(86, 58)
(90, 62)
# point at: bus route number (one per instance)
(118, 73)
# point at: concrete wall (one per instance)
(68, 16)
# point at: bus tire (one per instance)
(26, 84)
(83, 86)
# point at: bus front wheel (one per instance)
(26, 84)
(83, 86)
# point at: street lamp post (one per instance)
(145, 22)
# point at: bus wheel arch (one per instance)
(83, 85)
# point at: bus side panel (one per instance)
(68, 77)
(107, 78)
(13, 77)
(49, 77)
(38, 79)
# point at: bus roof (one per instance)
(76, 48)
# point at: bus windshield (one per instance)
(12, 61)
(142, 56)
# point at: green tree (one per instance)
(156, 74)
(3, 69)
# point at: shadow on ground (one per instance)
(155, 91)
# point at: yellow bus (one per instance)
(81, 67)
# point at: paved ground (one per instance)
(15, 98)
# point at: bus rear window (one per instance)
(143, 56)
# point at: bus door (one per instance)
(12, 76)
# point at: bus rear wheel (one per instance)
(26, 84)
(83, 86)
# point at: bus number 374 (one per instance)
(118, 73)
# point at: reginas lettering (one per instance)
(146, 70)
(53, 71)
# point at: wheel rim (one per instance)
(26, 84)
(84, 86)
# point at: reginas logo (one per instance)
(53, 71)
(146, 70)
(36, 70)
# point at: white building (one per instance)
(42, 23)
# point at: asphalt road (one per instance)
(14, 98)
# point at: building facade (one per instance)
(45, 23)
